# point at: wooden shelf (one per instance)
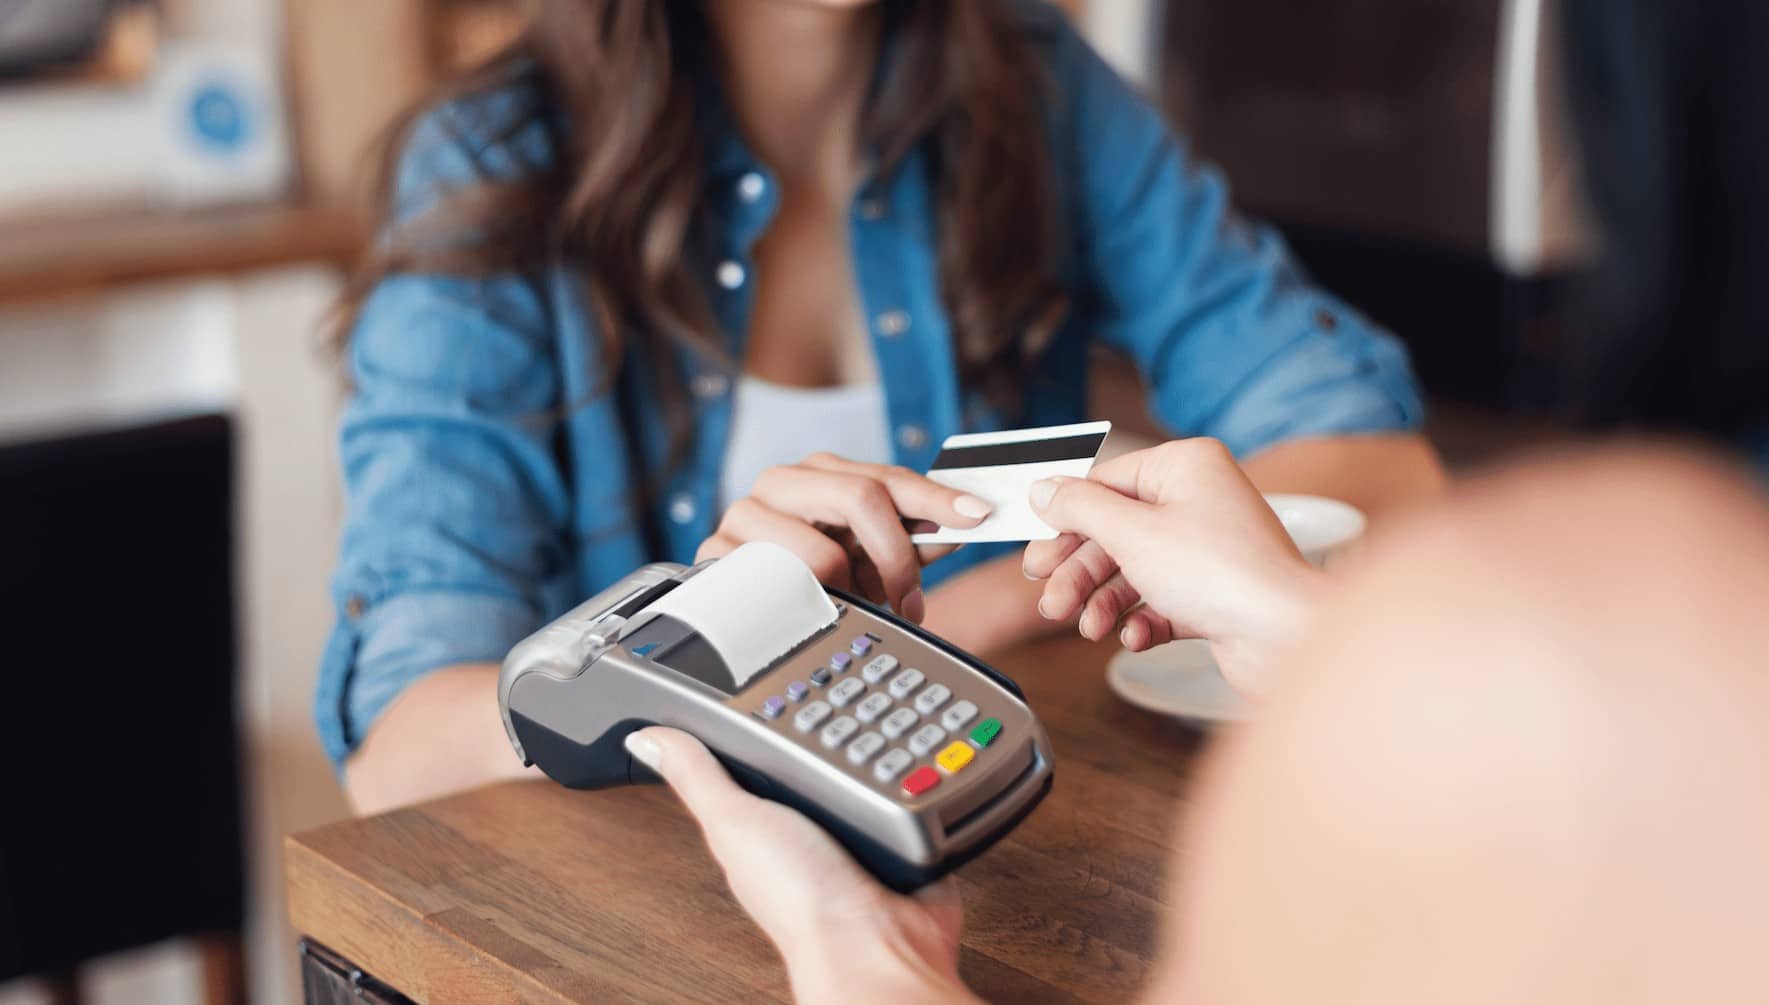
(57, 258)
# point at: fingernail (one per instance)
(914, 605)
(1124, 637)
(1042, 491)
(1042, 612)
(644, 749)
(972, 507)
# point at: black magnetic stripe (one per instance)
(989, 455)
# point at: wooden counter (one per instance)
(533, 892)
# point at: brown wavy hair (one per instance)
(617, 85)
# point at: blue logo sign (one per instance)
(219, 117)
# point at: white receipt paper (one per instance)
(753, 606)
(1000, 468)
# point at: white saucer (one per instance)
(1181, 678)
(1178, 679)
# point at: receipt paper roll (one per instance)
(753, 606)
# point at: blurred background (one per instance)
(178, 191)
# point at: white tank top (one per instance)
(773, 424)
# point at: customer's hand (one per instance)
(1179, 529)
(844, 936)
(846, 519)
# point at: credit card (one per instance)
(1000, 468)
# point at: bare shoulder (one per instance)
(1562, 585)
(1596, 535)
(1534, 711)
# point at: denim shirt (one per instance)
(491, 485)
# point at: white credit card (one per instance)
(1000, 468)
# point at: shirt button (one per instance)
(872, 209)
(730, 275)
(911, 437)
(711, 385)
(751, 186)
(893, 323)
(354, 608)
(1328, 321)
(682, 508)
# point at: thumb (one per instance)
(1087, 508)
(698, 778)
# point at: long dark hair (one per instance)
(1668, 97)
(617, 85)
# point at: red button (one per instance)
(920, 780)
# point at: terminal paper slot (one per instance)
(638, 600)
(752, 607)
(674, 646)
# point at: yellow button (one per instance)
(955, 756)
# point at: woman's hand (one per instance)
(1179, 529)
(845, 520)
(843, 936)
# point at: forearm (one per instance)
(988, 608)
(1377, 474)
(442, 735)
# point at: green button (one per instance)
(986, 732)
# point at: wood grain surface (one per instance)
(50, 258)
(532, 892)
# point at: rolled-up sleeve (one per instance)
(1233, 340)
(455, 540)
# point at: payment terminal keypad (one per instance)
(837, 732)
(871, 710)
(862, 749)
(844, 693)
(926, 739)
(899, 722)
(892, 764)
(811, 716)
(958, 715)
(880, 668)
(905, 683)
(875, 705)
(931, 698)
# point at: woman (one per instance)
(658, 248)
(1519, 754)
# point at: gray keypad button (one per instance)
(959, 714)
(845, 692)
(861, 750)
(932, 698)
(898, 722)
(811, 716)
(878, 668)
(874, 706)
(926, 739)
(837, 732)
(905, 683)
(892, 764)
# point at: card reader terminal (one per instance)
(913, 754)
